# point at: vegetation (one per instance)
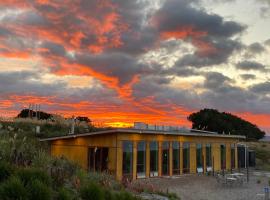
(28, 172)
(262, 150)
(213, 120)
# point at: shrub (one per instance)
(28, 175)
(65, 194)
(125, 196)
(13, 188)
(105, 180)
(91, 191)
(108, 195)
(5, 171)
(61, 170)
(38, 190)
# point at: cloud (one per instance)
(263, 88)
(256, 48)
(141, 57)
(248, 76)
(250, 65)
(209, 33)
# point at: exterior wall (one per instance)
(193, 140)
(76, 149)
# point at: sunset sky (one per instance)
(120, 61)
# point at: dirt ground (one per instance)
(194, 187)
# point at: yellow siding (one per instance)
(76, 149)
(77, 154)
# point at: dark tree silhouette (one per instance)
(221, 122)
(26, 112)
(83, 119)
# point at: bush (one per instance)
(91, 191)
(108, 195)
(5, 171)
(62, 170)
(28, 175)
(13, 188)
(38, 190)
(65, 194)
(125, 196)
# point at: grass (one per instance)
(262, 150)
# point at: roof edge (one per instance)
(207, 134)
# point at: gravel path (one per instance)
(194, 187)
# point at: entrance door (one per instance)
(98, 159)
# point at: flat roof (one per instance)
(192, 132)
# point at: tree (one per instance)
(83, 119)
(25, 113)
(222, 122)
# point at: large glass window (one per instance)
(232, 156)
(141, 159)
(153, 158)
(199, 157)
(208, 155)
(127, 158)
(165, 158)
(186, 157)
(176, 157)
(223, 156)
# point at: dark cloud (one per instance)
(263, 88)
(119, 65)
(168, 19)
(215, 80)
(52, 48)
(250, 65)
(209, 33)
(256, 48)
(223, 50)
(248, 76)
(267, 42)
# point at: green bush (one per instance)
(125, 196)
(108, 195)
(62, 171)
(38, 190)
(13, 189)
(65, 194)
(5, 171)
(28, 175)
(91, 191)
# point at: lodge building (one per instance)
(145, 151)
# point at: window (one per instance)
(223, 156)
(141, 159)
(208, 155)
(127, 158)
(186, 157)
(199, 157)
(165, 158)
(153, 158)
(232, 156)
(176, 157)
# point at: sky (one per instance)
(122, 61)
